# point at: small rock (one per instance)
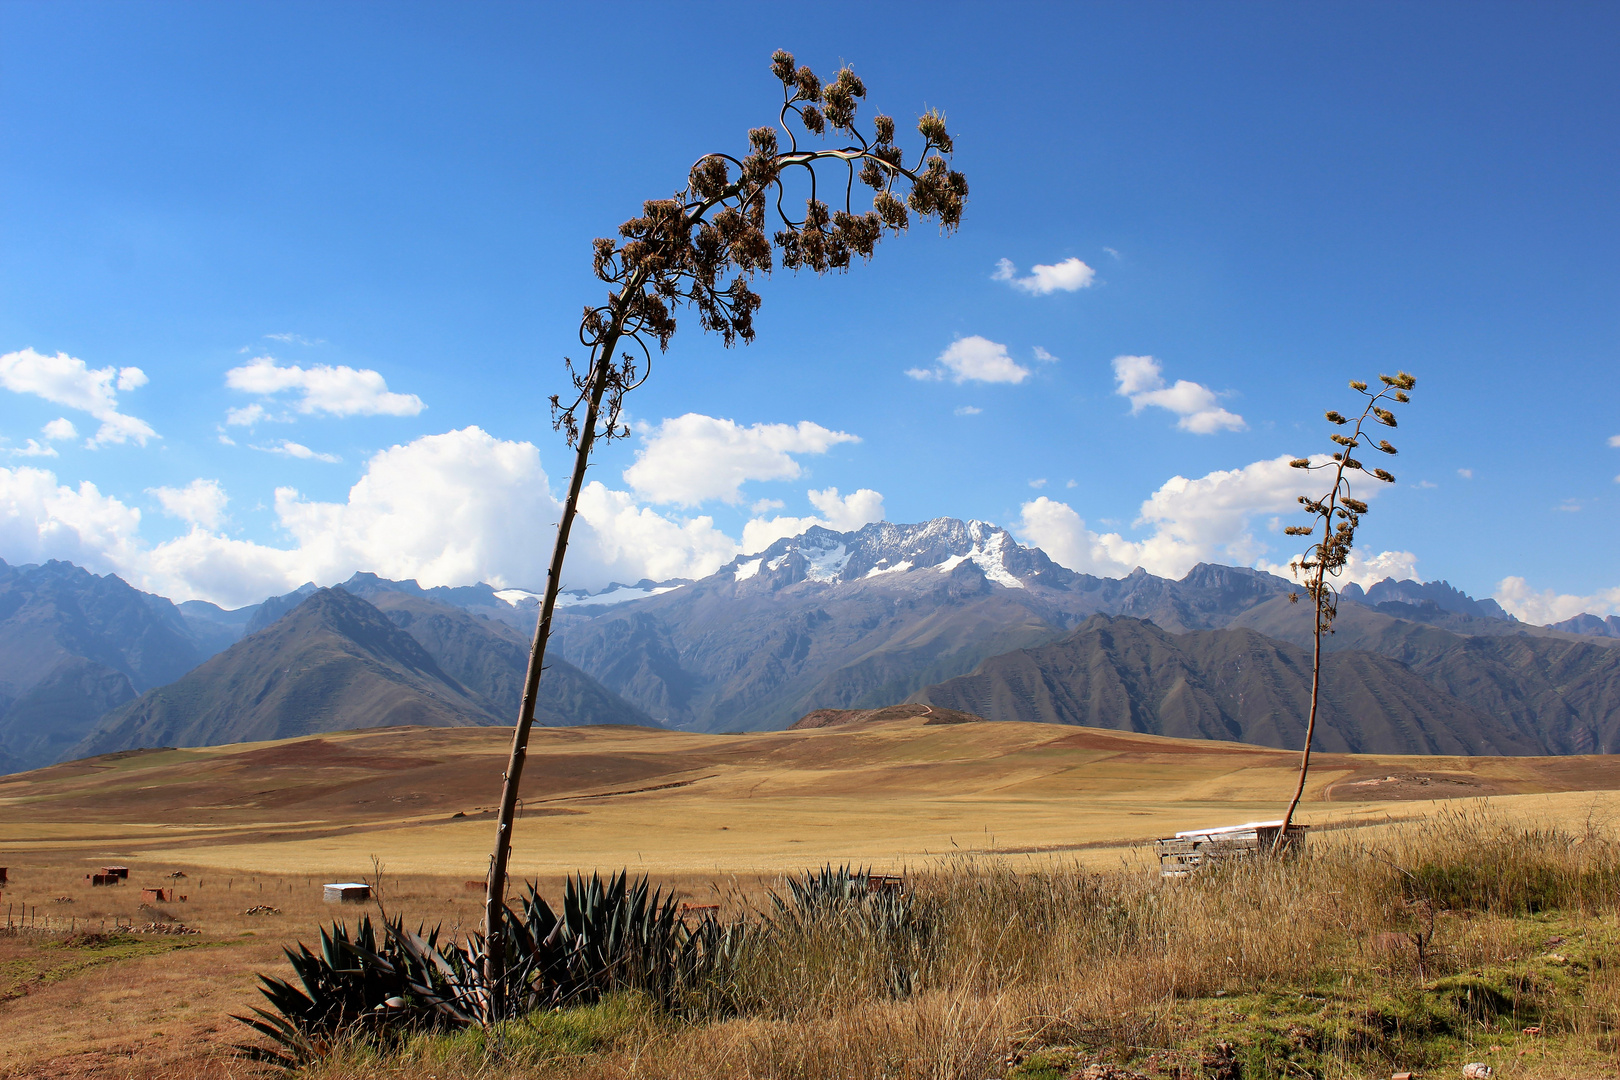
(1477, 1070)
(1102, 1071)
(1400, 1076)
(1557, 958)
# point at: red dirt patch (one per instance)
(931, 714)
(1383, 785)
(320, 753)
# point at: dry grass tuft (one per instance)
(1423, 947)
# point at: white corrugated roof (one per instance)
(1250, 827)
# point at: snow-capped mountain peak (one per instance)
(884, 548)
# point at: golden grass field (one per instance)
(716, 816)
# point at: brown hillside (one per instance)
(826, 718)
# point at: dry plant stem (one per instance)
(1333, 550)
(676, 254)
(495, 885)
(1316, 689)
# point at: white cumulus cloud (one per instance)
(850, 512)
(1069, 275)
(450, 509)
(322, 388)
(60, 428)
(1058, 530)
(840, 514)
(1550, 606)
(67, 380)
(1141, 379)
(1208, 519)
(288, 448)
(973, 359)
(694, 458)
(41, 519)
(246, 415)
(200, 503)
(626, 542)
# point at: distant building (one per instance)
(346, 892)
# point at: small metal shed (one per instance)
(119, 872)
(1185, 852)
(157, 896)
(346, 892)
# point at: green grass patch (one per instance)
(534, 1042)
(53, 961)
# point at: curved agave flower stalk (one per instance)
(701, 248)
(1338, 514)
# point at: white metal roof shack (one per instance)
(346, 891)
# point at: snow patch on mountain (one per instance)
(615, 593)
(988, 553)
(827, 564)
(828, 557)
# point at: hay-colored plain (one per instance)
(888, 794)
(714, 817)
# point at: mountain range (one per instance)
(886, 614)
(1234, 684)
(945, 613)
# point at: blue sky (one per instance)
(1269, 199)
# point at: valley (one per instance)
(256, 828)
(890, 792)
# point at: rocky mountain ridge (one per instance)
(1237, 684)
(855, 620)
(338, 661)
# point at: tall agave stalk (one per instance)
(1338, 515)
(681, 251)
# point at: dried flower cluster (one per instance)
(702, 246)
(1338, 514)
